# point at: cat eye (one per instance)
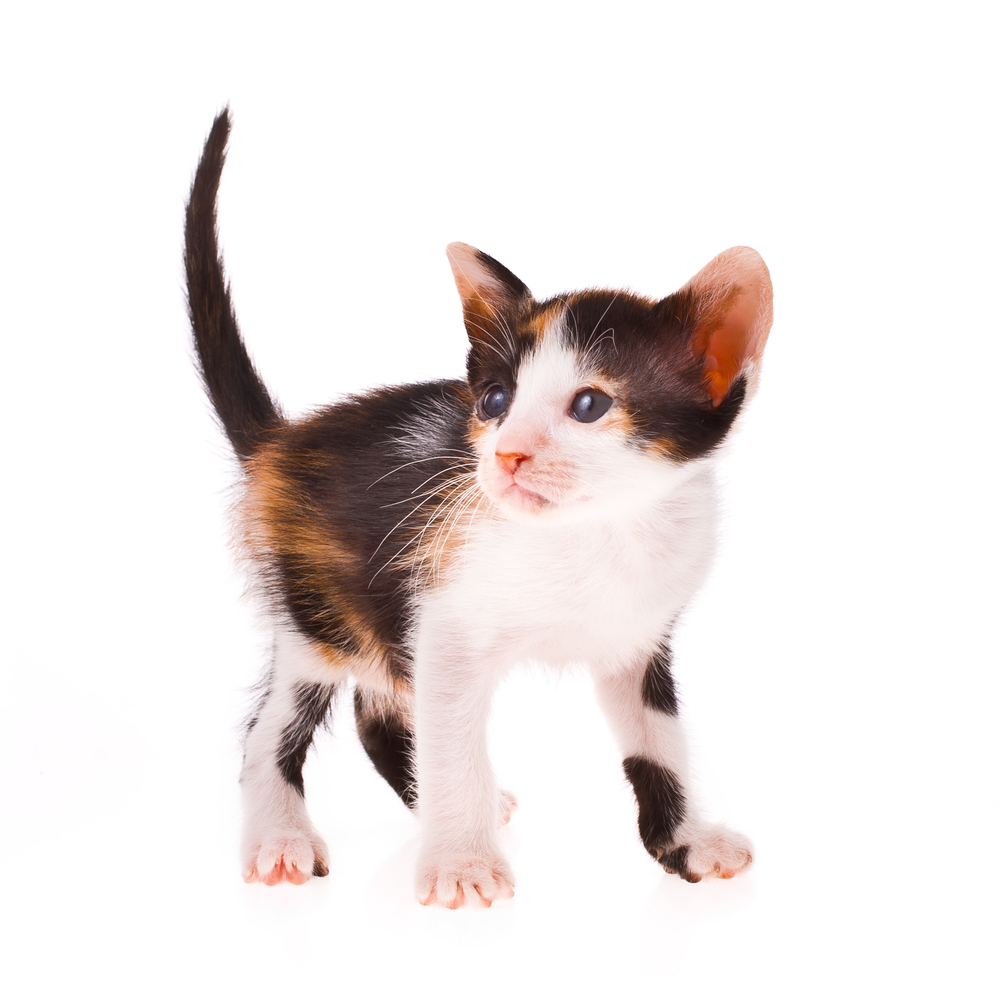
(494, 403)
(589, 405)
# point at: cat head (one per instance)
(598, 399)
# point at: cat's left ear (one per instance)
(732, 302)
(491, 295)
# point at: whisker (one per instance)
(416, 507)
(610, 332)
(598, 323)
(569, 309)
(416, 461)
(428, 493)
(471, 465)
(430, 520)
(495, 345)
(450, 523)
(464, 503)
(505, 328)
(446, 513)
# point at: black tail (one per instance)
(242, 402)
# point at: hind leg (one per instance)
(279, 841)
(386, 733)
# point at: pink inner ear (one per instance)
(735, 292)
(729, 347)
(470, 276)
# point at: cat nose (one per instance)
(511, 460)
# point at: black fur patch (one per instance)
(645, 347)
(367, 474)
(389, 744)
(658, 683)
(675, 862)
(309, 607)
(497, 325)
(516, 288)
(240, 398)
(262, 691)
(496, 357)
(312, 703)
(661, 803)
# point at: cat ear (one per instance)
(490, 294)
(732, 305)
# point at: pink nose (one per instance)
(511, 461)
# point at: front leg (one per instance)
(459, 802)
(641, 708)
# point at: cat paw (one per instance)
(292, 859)
(717, 852)
(459, 881)
(507, 806)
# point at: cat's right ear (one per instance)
(491, 295)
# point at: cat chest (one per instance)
(572, 596)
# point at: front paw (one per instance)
(456, 880)
(715, 851)
(284, 858)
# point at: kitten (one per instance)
(557, 506)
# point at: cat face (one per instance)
(600, 400)
(561, 441)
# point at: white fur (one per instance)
(277, 830)
(588, 553)
(598, 548)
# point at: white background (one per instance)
(838, 674)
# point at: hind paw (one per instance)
(292, 859)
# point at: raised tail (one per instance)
(239, 396)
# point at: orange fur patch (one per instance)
(543, 319)
(276, 520)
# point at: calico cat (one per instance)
(556, 506)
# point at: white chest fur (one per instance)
(600, 592)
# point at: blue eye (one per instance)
(589, 405)
(494, 403)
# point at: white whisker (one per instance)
(416, 461)
(448, 490)
(416, 507)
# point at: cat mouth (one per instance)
(525, 498)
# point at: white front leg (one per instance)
(459, 803)
(642, 711)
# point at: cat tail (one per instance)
(240, 398)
